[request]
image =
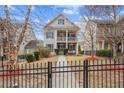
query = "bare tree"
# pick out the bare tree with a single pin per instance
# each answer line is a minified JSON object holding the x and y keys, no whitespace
{"x":14,"y":48}
{"x":113,"y":29}
{"x":89,"y":32}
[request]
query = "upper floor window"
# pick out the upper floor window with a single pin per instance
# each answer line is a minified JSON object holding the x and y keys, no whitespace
{"x":61,"y":21}
{"x":49,"y":35}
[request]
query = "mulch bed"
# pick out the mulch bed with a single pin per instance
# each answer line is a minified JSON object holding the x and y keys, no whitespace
{"x":10,"y":74}
{"x":92,"y":58}
{"x":111,"y":68}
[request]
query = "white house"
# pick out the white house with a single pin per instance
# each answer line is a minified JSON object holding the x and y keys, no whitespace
{"x":61,"y":33}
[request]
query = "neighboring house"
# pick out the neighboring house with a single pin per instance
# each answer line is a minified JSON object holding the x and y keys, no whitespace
{"x":61,"y":33}
{"x":32,"y":46}
{"x":29,"y":36}
{"x":99,"y":41}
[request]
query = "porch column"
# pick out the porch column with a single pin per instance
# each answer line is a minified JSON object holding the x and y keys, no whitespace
{"x":66,"y":39}
{"x":66,"y":35}
{"x":103,"y":44}
{"x":122,"y":46}
{"x":98,"y":46}
{"x":66,"y":45}
{"x":55,"y":36}
{"x":77,"y":49}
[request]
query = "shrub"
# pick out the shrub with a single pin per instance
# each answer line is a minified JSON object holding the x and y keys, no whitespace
{"x":81,"y":52}
{"x":29,"y":57}
{"x":21,"y":56}
{"x":104,"y":53}
{"x":45,"y":52}
{"x":37,"y":55}
{"x":65,"y":51}
{"x":57,"y":51}
{"x":79,"y":48}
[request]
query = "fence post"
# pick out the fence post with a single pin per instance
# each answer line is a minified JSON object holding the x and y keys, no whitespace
{"x":85,"y":74}
{"x":49,"y":74}
{"x":123,"y":71}
{"x":84,"y":80}
{"x":2,"y":70}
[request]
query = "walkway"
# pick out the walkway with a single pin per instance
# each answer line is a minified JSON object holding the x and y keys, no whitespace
{"x":64,"y":80}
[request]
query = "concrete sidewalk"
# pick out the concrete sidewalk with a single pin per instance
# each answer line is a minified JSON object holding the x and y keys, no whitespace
{"x":64,"y":80}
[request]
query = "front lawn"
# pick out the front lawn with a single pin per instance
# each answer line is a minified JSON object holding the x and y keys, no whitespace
{"x":76,"y":57}
{"x":43,"y":60}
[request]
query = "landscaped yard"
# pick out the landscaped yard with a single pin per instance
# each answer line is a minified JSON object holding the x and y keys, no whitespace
{"x":105,"y":76}
{"x":52,"y":59}
{"x":76,"y":60}
{"x":42,"y":62}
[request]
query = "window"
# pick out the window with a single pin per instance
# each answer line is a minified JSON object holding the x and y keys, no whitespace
{"x":49,"y":35}
{"x":106,"y":45}
{"x":50,"y":46}
{"x":61,"y":21}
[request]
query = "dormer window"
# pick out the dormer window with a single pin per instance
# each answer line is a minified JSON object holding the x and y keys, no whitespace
{"x":61,"y":21}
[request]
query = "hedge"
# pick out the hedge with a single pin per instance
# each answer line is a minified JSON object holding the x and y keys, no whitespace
{"x":45,"y":52}
{"x":65,"y":51}
{"x":58,"y":50}
{"x":21,"y":56}
{"x":29,"y":57}
{"x":37,"y":55}
{"x":104,"y":53}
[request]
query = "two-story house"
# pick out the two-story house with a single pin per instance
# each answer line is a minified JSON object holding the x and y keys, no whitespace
{"x":61,"y":33}
{"x":99,"y":42}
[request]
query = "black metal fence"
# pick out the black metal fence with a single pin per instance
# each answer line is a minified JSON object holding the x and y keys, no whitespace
{"x":105,"y":73}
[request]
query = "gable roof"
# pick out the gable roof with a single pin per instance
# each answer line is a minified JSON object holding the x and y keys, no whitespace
{"x":34,"y":44}
{"x":103,"y":21}
{"x":58,"y":17}
{"x":119,"y":19}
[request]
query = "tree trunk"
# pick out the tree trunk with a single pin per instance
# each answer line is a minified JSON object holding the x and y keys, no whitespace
{"x":114,"y":51}
{"x":21,"y":36}
{"x":13,"y":53}
{"x":92,"y":52}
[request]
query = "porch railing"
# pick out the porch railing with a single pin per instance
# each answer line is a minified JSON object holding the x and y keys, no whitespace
{"x":68,"y":38}
{"x":71,"y":38}
{"x":61,"y":38}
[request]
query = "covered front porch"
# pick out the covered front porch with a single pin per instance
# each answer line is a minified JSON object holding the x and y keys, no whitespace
{"x":72,"y":47}
{"x":101,"y":45}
